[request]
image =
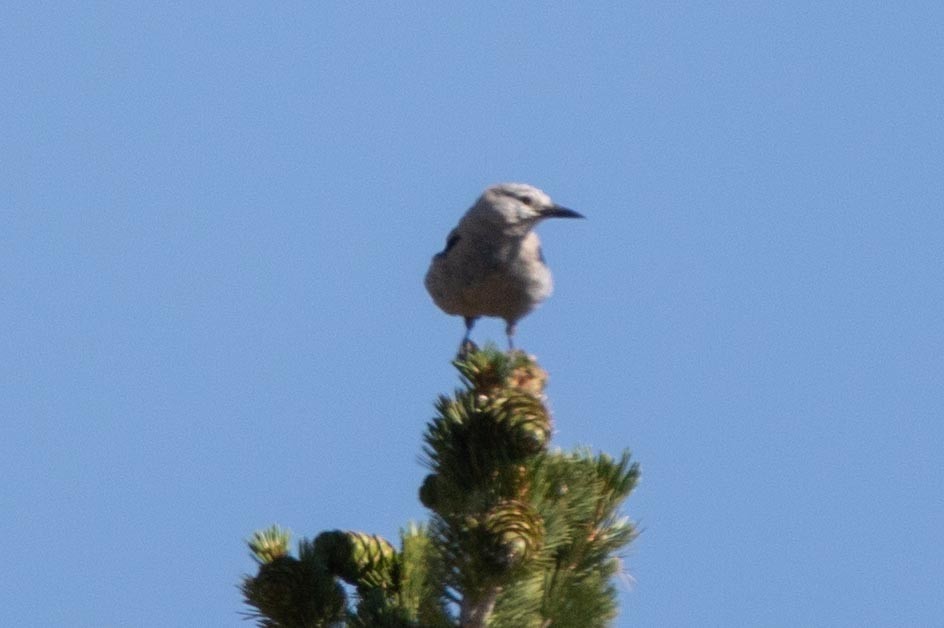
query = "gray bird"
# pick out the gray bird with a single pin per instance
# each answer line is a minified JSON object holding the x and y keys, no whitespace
{"x":492,"y":264}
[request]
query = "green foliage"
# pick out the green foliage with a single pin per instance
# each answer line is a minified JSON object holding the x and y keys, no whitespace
{"x":267,"y":545}
{"x":366,"y":561}
{"x":519,"y":536}
{"x":294,"y":592}
{"x":421,"y":592}
{"x":578,"y":495}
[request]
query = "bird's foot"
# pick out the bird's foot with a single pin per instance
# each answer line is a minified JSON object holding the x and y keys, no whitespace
{"x":466,"y":348}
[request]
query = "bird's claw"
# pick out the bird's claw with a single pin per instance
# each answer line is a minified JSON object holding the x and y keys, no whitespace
{"x":466,"y":348}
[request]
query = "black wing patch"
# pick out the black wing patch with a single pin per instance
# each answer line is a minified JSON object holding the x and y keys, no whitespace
{"x":450,"y":242}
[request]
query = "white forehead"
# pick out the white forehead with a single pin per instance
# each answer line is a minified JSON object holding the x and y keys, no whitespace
{"x":517,"y":191}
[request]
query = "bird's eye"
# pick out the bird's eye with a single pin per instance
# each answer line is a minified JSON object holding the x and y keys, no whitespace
{"x":527,"y":200}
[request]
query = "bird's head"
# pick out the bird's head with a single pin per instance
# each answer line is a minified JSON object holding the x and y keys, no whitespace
{"x":515,"y":208}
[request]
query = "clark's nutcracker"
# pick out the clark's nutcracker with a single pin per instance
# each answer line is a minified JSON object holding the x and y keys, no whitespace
{"x":492,"y":264}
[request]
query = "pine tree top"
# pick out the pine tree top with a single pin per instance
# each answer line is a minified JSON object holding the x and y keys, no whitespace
{"x":520,"y":535}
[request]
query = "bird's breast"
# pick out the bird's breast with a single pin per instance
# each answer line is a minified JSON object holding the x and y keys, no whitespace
{"x":503,"y":277}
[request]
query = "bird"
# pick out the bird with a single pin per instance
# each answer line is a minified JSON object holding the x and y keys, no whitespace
{"x":492,"y":264}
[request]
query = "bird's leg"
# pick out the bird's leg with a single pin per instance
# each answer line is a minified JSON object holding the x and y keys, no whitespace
{"x":467,"y":345}
{"x":469,"y":324}
{"x":510,"y":331}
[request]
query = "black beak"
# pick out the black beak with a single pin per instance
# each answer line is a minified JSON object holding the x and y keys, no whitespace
{"x":556,"y":211}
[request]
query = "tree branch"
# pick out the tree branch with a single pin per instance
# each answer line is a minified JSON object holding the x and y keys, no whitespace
{"x":474,"y":613}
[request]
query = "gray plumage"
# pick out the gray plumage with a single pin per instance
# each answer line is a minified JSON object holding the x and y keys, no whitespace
{"x":492,"y":264}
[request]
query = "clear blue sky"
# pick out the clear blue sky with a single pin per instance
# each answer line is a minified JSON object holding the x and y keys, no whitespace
{"x":214,"y":223}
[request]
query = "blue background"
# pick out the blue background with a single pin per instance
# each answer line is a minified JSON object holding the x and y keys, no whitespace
{"x":214,"y":224}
